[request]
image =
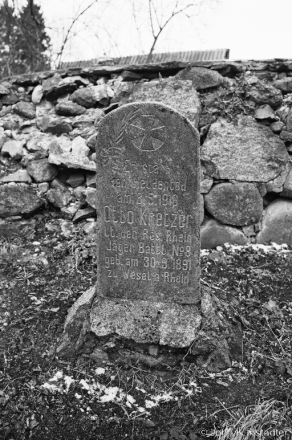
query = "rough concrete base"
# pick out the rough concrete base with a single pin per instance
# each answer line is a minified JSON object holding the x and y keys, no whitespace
{"x":207,"y":332}
{"x":146,"y":322}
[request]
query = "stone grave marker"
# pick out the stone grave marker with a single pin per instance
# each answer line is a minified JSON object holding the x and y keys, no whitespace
{"x":148,"y":200}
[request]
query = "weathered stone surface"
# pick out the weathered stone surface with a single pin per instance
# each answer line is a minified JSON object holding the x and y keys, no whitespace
{"x":215,"y":234}
{"x":18,"y":176}
{"x":13,"y":149}
{"x":69,"y":108}
{"x":246,"y":152}
{"x":286,"y":136}
{"x":202,"y":210}
{"x":41,"y":170}
{"x":5,"y":110}
{"x":41,"y":154}
{"x":153,"y":149}
{"x":91,"y":179}
{"x":43,"y":188}
{"x":90,"y":96}
{"x":265,"y":112}
{"x":91,"y":142}
{"x":4,"y":90}
{"x":277,"y":126}
{"x":178,"y":94}
{"x":130,"y":76}
{"x":37,"y":94}
{"x":10,"y":99}
{"x":16,"y":200}
{"x":206,"y":185}
{"x":79,"y":147}
{"x":276,"y":223}
{"x":39,"y":141}
{"x":59,"y":89}
{"x":90,"y":194}
{"x":289,"y":121}
{"x":287,"y":189}
{"x":10,"y":123}
{"x":79,"y":80}
{"x":51,"y":81}
{"x":201,"y":78}
{"x":219,"y":340}
{"x":284,"y":84}
{"x":276,"y":185}
{"x":82,"y":214}
{"x":44,"y":108}
{"x":90,"y":228}
{"x":59,"y":157}
{"x":58,"y":197}
{"x":263,"y":93}
{"x":144,"y":321}
{"x":75,"y":179}
{"x":238,"y":204}
{"x":25,"y":109}
{"x":55,"y":125}
{"x":76,"y":322}
{"x":63,"y":142}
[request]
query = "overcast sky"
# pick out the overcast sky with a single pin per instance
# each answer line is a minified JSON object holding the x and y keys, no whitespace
{"x":251,"y":29}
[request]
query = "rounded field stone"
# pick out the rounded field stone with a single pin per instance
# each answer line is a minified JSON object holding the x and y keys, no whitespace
{"x":201,"y":78}
{"x":276,"y":224}
{"x":238,"y":204}
{"x":215,"y":234}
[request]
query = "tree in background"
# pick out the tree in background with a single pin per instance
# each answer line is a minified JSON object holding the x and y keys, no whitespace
{"x":23,"y":39}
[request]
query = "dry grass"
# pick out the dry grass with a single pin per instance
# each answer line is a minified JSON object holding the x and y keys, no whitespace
{"x":268,"y":419}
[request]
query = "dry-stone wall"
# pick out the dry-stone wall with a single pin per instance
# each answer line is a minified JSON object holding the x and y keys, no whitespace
{"x":243,"y":111}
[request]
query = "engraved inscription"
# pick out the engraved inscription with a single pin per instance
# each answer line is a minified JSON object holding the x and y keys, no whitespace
{"x":148,"y":192}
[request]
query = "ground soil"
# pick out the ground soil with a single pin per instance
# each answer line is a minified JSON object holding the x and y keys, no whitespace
{"x":43,"y":273}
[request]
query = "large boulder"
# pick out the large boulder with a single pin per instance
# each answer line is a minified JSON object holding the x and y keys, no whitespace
{"x":17,"y":200}
{"x":248,"y":151}
{"x":201,"y":78}
{"x":178,"y":94}
{"x":276,"y":223}
{"x":215,"y":234}
{"x":238,"y":204}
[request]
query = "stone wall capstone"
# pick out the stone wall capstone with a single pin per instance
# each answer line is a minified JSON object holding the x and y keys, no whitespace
{"x":243,"y":110}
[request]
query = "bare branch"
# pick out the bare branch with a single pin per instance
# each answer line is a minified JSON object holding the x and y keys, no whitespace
{"x":69,"y":30}
{"x":162,"y":26}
